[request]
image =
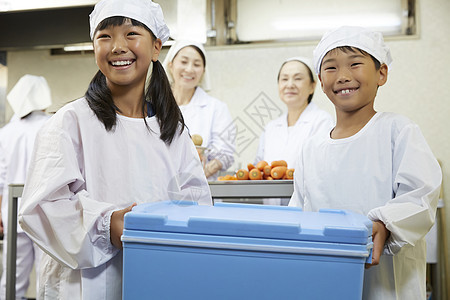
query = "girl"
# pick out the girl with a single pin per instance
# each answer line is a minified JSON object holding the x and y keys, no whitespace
{"x":121,"y":145}
{"x":209,"y":117}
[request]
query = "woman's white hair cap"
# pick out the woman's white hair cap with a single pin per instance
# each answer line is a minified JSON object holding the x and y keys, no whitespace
{"x":144,"y":11}
{"x":29,"y":94}
{"x":205,"y":83}
{"x":304,"y":60}
{"x":353,"y":36}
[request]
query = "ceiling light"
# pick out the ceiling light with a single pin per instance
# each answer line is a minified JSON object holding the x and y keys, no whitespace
{"x":79,"y":47}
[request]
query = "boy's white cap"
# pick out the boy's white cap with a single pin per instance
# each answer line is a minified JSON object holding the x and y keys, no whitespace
{"x":173,"y":51}
{"x":29,"y":94}
{"x":145,"y":11}
{"x":358,"y":37}
{"x":303,"y":60}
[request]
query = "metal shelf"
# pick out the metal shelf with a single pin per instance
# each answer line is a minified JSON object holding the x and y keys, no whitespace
{"x":15,"y":192}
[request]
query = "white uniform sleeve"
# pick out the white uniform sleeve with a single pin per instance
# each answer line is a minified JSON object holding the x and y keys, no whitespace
{"x":223,"y":137}
{"x":2,"y":169}
{"x":417,"y":179}
{"x":260,"y":152}
{"x":298,"y":196}
{"x":191,"y":183}
{"x":324,"y":125}
{"x":56,"y":210}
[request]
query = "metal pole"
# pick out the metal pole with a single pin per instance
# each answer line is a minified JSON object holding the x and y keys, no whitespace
{"x":15,"y":191}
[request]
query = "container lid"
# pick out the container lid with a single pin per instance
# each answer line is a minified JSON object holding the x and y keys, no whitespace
{"x":250,"y":220}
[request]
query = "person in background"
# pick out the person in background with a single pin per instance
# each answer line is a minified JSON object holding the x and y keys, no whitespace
{"x":283,"y":138}
{"x":120,"y":145}
{"x":374,"y":163}
{"x":28,"y":99}
{"x":185,"y":65}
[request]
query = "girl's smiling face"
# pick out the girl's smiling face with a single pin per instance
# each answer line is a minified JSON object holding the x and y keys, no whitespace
{"x":123,"y":53}
{"x":350,"y":79}
{"x":187,"y":68}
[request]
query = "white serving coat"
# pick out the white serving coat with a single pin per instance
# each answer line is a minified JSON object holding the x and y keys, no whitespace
{"x":280,"y":142}
{"x":388,"y":172}
{"x":79,"y":175}
{"x":16,"y":147}
{"x":210,"y":118}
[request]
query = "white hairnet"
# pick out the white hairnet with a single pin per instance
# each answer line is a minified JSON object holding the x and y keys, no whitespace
{"x":144,"y":11}
{"x":29,"y":94}
{"x":358,"y":37}
{"x":303,"y":60}
{"x":205,"y":82}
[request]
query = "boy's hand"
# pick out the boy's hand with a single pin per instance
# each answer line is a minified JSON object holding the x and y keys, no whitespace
{"x":116,"y":227}
{"x":379,"y":236}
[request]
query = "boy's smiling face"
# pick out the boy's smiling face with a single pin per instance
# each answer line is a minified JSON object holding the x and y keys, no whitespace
{"x":350,"y":79}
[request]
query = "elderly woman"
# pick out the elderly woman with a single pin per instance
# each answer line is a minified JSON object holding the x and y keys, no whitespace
{"x":283,"y":137}
{"x":185,"y":65}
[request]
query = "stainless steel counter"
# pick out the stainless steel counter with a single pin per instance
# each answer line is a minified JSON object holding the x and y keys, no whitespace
{"x":251,"y":189}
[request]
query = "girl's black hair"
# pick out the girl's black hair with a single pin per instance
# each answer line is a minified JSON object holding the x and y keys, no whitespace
{"x":311,"y":76}
{"x":159,"y":93}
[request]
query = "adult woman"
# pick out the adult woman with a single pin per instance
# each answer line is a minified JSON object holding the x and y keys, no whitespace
{"x":207,"y":116}
{"x":283,"y":137}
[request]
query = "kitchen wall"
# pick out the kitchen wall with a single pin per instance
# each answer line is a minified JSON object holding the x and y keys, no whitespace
{"x":245,"y":78}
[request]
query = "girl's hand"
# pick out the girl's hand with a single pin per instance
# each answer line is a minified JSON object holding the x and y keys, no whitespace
{"x":379,"y":236}
{"x":116,"y":227}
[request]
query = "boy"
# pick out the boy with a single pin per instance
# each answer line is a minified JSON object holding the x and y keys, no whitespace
{"x":374,"y":163}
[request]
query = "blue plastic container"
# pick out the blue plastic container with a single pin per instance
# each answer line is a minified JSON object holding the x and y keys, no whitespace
{"x":180,"y":250}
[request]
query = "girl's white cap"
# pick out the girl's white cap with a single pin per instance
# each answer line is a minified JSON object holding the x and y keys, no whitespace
{"x":353,"y":36}
{"x":173,"y":51}
{"x":144,"y":11}
{"x":29,"y":94}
